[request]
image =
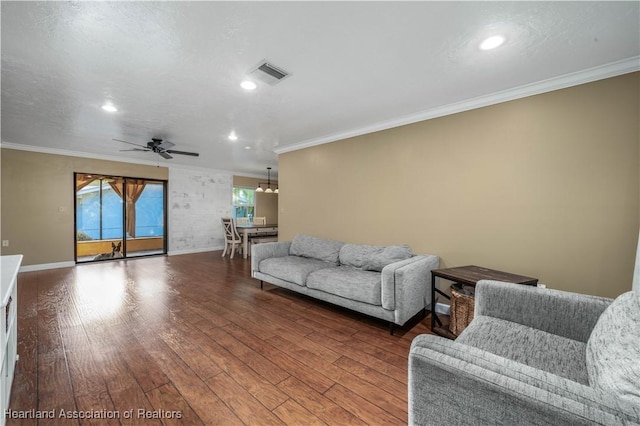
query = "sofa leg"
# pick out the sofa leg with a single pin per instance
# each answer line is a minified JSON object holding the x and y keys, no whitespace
{"x":391,"y":328}
{"x":261,"y":283}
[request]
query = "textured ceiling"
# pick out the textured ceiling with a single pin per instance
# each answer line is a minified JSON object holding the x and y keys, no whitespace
{"x":173,"y":69}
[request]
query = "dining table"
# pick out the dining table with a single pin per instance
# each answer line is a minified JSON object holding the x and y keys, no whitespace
{"x":250,"y":230}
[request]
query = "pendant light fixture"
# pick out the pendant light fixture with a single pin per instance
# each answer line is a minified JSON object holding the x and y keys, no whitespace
{"x":268,"y":189}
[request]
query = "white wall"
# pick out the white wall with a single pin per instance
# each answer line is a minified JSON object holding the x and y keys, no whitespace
{"x":197,"y":200}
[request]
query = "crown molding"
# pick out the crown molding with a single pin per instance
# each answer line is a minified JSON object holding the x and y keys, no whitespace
{"x":210,"y":170}
{"x":94,"y":156}
{"x":70,"y":153}
{"x":200,"y":169}
{"x":589,"y":75}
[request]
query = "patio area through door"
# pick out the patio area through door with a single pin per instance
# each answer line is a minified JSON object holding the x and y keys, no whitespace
{"x":118,"y":217}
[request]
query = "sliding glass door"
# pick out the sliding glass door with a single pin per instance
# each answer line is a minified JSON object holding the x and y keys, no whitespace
{"x":145,"y":217}
{"x":118,"y":217}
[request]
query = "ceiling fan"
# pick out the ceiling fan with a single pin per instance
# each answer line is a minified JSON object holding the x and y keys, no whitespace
{"x":160,"y":147}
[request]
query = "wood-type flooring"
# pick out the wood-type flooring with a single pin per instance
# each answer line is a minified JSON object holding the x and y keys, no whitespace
{"x":192,"y":339}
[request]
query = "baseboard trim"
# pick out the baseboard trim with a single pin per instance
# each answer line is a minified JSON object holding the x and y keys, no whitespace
{"x":69,"y":264}
{"x":45,"y":266}
{"x":443,"y":309}
{"x":191,"y":251}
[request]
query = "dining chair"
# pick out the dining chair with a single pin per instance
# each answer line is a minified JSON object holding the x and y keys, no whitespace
{"x":243,"y":221}
{"x":260,"y":220}
{"x":262,"y":237}
{"x":231,"y":236}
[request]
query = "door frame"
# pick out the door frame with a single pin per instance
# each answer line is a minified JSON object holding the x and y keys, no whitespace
{"x":165,"y":236}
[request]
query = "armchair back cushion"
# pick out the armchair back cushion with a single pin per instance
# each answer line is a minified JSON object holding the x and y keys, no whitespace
{"x":316,"y":248}
{"x":613,"y":350}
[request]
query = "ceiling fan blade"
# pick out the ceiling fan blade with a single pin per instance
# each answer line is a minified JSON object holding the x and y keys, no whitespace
{"x":166,"y":145}
{"x":193,"y":154}
{"x":158,"y":146}
{"x":130,"y":143}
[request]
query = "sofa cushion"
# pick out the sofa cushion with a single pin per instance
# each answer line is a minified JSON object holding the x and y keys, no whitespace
{"x":315,"y":248}
{"x":538,"y":349}
{"x":372,"y":258}
{"x":348,"y":282}
{"x":292,"y":268}
{"x":613,"y":349}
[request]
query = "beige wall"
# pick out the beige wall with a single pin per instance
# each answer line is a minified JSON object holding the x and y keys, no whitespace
{"x":266,"y":204}
{"x":547,"y":186}
{"x":37,"y":201}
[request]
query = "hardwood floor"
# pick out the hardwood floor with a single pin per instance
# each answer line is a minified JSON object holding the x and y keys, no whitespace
{"x":192,"y":339}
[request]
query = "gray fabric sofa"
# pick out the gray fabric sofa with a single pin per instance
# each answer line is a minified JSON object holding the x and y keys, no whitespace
{"x":389,"y":283}
{"x":532,"y":356}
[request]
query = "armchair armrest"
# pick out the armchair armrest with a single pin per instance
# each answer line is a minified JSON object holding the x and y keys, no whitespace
{"x":259,"y":252}
{"x":405,"y":284}
{"x":452,"y":383}
{"x":562,"y":313}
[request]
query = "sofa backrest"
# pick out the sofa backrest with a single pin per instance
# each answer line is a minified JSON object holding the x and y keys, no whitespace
{"x":316,"y":248}
{"x":613,"y":350}
{"x":372,"y":258}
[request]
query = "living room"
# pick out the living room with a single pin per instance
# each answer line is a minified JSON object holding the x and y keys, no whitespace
{"x":541,"y":180}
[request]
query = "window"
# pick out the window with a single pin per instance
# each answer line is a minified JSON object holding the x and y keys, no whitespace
{"x":98,"y":210}
{"x":150,"y":211}
{"x":244,"y":204}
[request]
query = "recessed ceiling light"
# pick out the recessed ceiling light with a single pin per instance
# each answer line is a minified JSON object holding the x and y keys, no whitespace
{"x":492,"y":42}
{"x":247,"y":147}
{"x":232,"y":136}
{"x":109,"y":108}
{"x":248,"y":85}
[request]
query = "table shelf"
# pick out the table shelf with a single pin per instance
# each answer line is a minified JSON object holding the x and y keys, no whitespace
{"x":469,"y":275}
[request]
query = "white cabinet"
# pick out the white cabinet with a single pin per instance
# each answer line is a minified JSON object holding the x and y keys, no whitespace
{"x":9,"y":327}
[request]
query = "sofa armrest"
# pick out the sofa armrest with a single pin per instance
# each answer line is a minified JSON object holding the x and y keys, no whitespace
{"x":259,"y":252}
{"x":565,"y":314}
{"x":452,"y":383}
{"x":405,"y":284}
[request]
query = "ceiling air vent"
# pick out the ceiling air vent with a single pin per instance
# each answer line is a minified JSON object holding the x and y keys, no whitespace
{"x":268,"y":73}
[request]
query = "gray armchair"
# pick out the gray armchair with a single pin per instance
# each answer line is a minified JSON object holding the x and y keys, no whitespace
{"x":532,"y":356}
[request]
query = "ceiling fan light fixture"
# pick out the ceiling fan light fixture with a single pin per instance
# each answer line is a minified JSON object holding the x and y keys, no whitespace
{"x":158,"y":146}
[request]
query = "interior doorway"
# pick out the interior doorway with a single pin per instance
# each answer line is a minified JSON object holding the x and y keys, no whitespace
{"x":119,"y":217}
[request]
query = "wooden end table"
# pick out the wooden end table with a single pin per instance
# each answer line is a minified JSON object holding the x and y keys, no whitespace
{"x":469,"y":275}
